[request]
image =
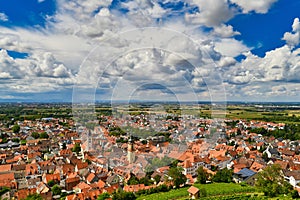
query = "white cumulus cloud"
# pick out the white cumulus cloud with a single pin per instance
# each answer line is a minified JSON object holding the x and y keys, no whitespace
{"x":3,"y":17}
{"x":225,"y":31}
{"x":58,"y":55}
{"x":230,"y":47}
{"x":212,"y":13}
{"x":293,"y":38}
{"x":259,"y":6}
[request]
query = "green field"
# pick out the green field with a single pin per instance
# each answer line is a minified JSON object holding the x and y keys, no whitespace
{"x":214,"y":189}
{"x":282,"y":113}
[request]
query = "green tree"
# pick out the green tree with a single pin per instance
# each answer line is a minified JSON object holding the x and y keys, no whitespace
{"x":16,"y":128}
{"x":44,"y":135}
{"x":103,"y":196}
{"x":4,"y":190}
{"x":15,"y":140}
{"x":76,"y":148}
{"x":34,"y":197}
{"x":51,"y":183}
{"x":265,"y":157}
{"x":295,"y":194}
{"x":133,"y":180}
{"x":223,"y":175}
{"x":4,"y":140}
{"x":177,"y":177}
{"x":56,"y":190}
{"x":116,"y":131}
{"x":202,"y":175}
{"x":145,"y":180}
{"x":35,"y":135}
{"x":88,"y":161}
{"x":23,"y":142}
{"x":271,"y":182}
{"x":157,"y":178}
{"x":123,"y":196}
{"x":260,"y":130}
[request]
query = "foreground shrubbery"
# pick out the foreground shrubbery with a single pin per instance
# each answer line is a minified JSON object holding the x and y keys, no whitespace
{"x":272,"y":183}
{"x":213,"y":189}
{"x":235,"y":197}
{"x":161,"y":188}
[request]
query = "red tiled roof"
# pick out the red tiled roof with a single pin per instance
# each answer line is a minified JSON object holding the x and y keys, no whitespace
{"x":101,"y":184}
{"x":193,"y":190}
{"x":190,"y":178}
{"x":256,"y":166}
{"x":72,"y":175}
{"x":187,"y":164}
{"x":67,"y":168}
{"x":74,"y":179}
{"x":65,"y":152}
{"x":111,"y":189}
{"x":185,"y":156}
{"x":5,"y":168}
{"x":92,"y":194}
{"x":283,"y":164}
{"x":82,"y":186}
{"x":52,"y":177}
{"x":90,"y":177}
{"x":175,"y":154}
{"x":7,"y":180}
{"x":162,"y":169}
{"x":82,"y":165}
{"x":138,"y":187}
{"x":7,"y":177}
{"x":295,"y":174}
{"x":71,"y":197}
{"x":288,"y":152}
{"x":214,"y":154}
{"x":23,"y":193}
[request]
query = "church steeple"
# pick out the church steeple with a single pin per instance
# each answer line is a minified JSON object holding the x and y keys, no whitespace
{"x":130,"y":151}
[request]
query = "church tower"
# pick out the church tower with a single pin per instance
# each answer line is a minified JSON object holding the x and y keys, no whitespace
{"x":130,"y":151}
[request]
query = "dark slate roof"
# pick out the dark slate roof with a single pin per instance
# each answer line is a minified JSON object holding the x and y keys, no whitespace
{"x":244,"y":173}
{"x":273,"y":151}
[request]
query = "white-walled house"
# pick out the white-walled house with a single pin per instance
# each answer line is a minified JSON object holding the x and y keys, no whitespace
{"x":293,"y":177}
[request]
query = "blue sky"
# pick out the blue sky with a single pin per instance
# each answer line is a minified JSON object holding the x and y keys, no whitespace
{"x":49,"y":47}
{"x":31,"y":13}
{"x":265,"y":31}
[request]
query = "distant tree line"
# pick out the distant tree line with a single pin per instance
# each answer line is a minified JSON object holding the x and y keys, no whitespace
{"x":290,"y":131}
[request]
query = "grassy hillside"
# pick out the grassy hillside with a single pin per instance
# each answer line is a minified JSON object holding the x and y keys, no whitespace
{"x":214,"y":189}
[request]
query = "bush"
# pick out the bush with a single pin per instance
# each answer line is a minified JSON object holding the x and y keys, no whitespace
{"x":35,"y":135}
{"x":202,"y":192}
{"x":202,"y":176}
{"x":223,"y":175}
{"x":34,"y":197}
{"x":123,"y":196}
{"x":295,"y":194}
{"x":44,"y":135}
{"x":51,"y":183}
{"x":271,"y":183}
{"x":4,"y":190}
{"x":17,"y":140}
{"x":103,"y":196}
{"x":243,"y":184}
{"x":56,"y":190}
{"x":16,"y":128}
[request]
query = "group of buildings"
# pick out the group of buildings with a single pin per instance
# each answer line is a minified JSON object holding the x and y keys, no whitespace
{"x":104,"y":163}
